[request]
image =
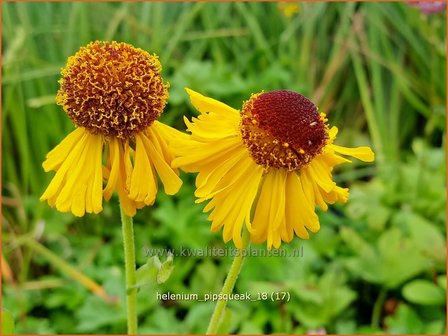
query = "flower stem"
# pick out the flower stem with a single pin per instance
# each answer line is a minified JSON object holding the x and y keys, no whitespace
{"x":129,"y":257}
{"x":377,"y":308}
{"x":227,"y":289}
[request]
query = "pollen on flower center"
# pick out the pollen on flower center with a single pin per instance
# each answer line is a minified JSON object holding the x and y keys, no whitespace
{"x":112,"y":88}
{"x":282,"y":129}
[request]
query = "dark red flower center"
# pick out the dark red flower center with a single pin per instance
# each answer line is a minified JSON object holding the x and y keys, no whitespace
{"x":282,"y":129}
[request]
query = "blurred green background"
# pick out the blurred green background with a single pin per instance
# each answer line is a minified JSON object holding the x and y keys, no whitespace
{"x":378,"y":264}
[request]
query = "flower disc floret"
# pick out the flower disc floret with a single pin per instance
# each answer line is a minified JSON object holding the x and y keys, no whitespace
{"x":282,"y":129}
{"x":113,"y":89}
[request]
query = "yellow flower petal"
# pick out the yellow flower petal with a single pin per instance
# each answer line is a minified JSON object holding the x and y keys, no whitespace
{"x":58,"y":154}
{"x":362,"y":153}
{"x":73,"y":195}
{"x":338,"y":194}
{"x":277,"y":211}
{"x":321,"y":174}
{"x":333,"y":131}
{"x":95,"y":191}
{"x":167,"y":132}
{"x":286,"y":231}
{"x":232,"y":177}
{"x":297,"y":209}
{"x":194,"y":155}
{"x":205,"y":104}
{"x":209,"y":126}
{"x":114,"y":170}
{"x":206,"y":185}
{"x":79,"y":174}
{"x":58,"y":180}
{"x":233,"y":205}
{"x":306,"y":175}
{"x":260,"y":221}
{"x":162,"y":136}
{"x":170,"y":180}
{"x":306,"y":198}
{"x":143,"y":186}
{"x":330,"y":158}
{"x":124,"y":181}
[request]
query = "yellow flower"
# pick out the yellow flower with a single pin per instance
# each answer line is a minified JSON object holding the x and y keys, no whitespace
{"x":114,"y":94}
{"x":266,"y":167}
{"x":289,"y":8}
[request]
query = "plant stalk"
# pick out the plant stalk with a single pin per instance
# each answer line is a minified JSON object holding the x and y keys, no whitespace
{"x":229,"y":284}
{"x":378,"y":308}
{"x":129,"y":257}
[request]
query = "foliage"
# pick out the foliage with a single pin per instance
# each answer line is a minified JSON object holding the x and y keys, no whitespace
{"x":378,"y":263}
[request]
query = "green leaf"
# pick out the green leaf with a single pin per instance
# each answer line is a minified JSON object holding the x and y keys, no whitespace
{"x":435,"y":327}
{"x":321,"y":300}
{"x":395,"y":260}
{"x":165,"y":269}
{"x":441,"y":281}
{"x":7,"y":323}
{"x":423,"y":292}
{"x":153,"y":272}
{"x":356,"y":242}
{"x":345,"y":327}
{"x":95,"y":313}
{"x":377,"y":217}
{"x":405,"y":321}
{"x":198,"y":315}
{"x":427,"y":237}
{"x":147,"y":274}
{"x":248,"y":327}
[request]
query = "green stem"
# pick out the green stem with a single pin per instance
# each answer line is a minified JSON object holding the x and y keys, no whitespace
{"x":129,"y":257}
{"x":378,"y":307}
{"x":227,"y":289}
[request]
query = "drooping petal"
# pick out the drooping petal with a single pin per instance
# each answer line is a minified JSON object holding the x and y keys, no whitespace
{"x":59,"y":154}
{"x":270,"y":210}
{"x":162,"y":136}
{"x":143,"y":186}
{"x":170,"y":179}
{"x":338,"y":194}
{"x":321,"y":174}
{"x":306,"y":198}
{"x":114,"y":169}
{"x":299,"y":210}
{"x":77,"y":185}
{"x":120,"y":176}
{"x":277,"y":210}
{"x":205,"y":186}
{"x":233,"y":198}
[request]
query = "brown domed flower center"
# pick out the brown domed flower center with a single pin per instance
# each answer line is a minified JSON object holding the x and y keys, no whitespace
{"x":282,"y":129}
{"x":112,"y":88}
